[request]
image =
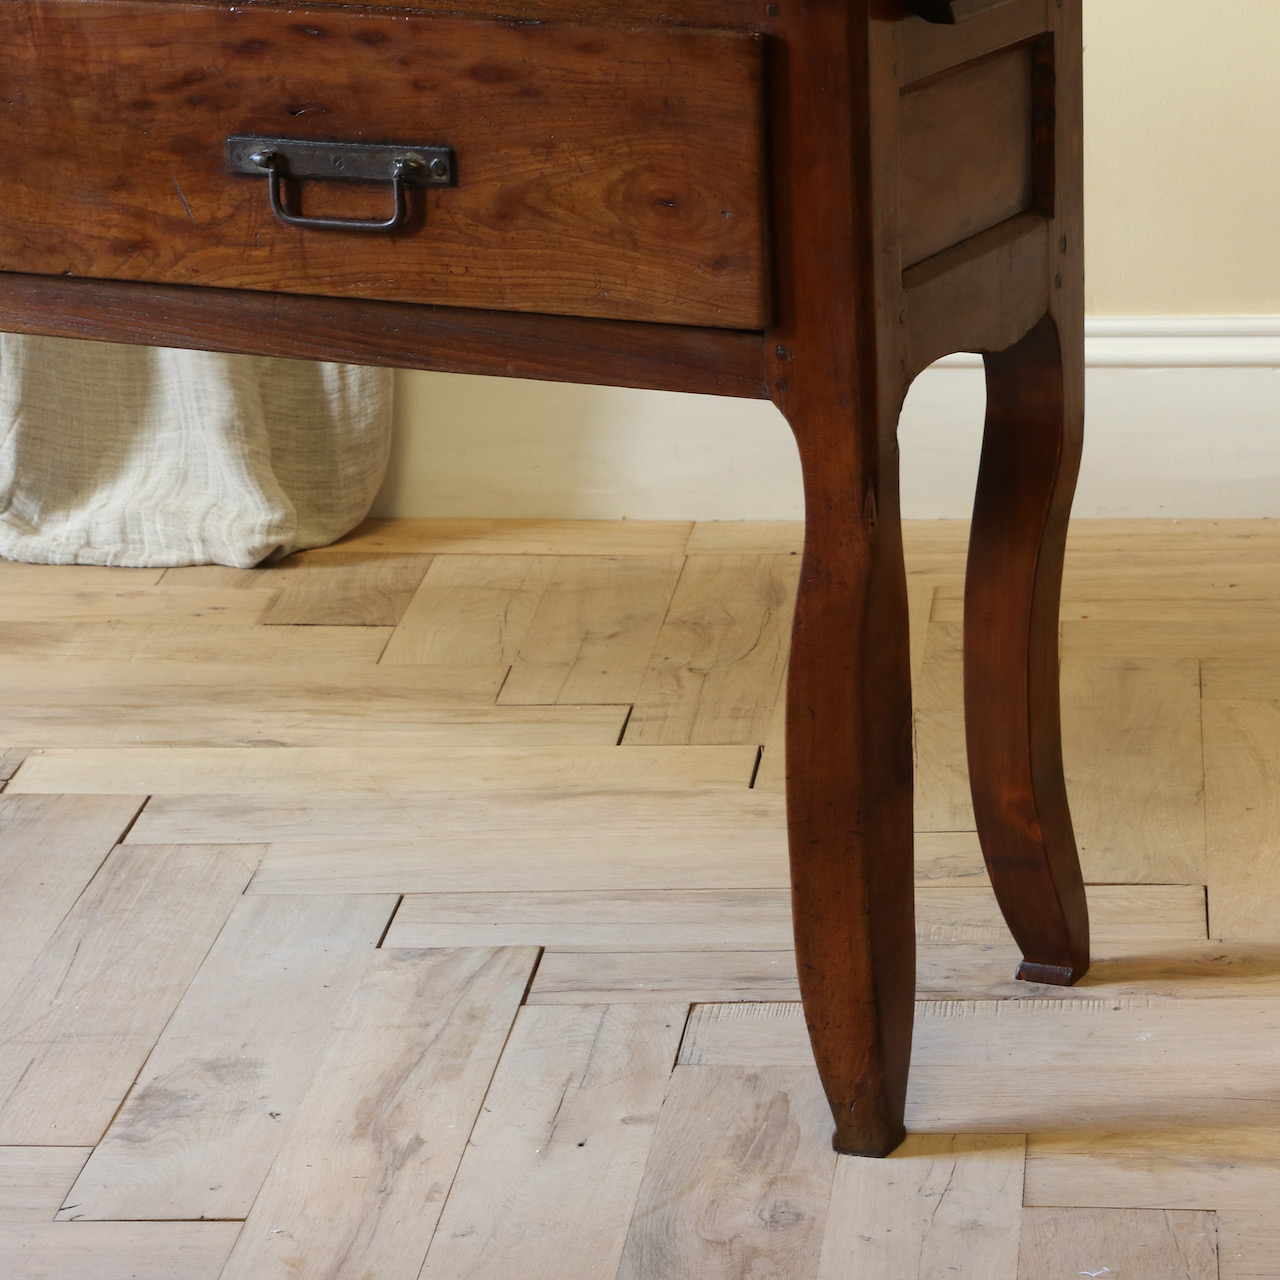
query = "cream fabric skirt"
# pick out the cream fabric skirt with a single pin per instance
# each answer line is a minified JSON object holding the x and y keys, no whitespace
{"x":147,"y":456}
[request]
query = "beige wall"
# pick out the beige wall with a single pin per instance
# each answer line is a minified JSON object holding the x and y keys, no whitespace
{"x":1183,"y":187}
{"x":1182,"y":130}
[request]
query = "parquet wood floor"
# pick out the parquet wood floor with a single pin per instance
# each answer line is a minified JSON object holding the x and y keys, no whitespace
{"x":416,"y":910}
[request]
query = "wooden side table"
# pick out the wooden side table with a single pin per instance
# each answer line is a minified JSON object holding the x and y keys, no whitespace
{"x":806,"y":201}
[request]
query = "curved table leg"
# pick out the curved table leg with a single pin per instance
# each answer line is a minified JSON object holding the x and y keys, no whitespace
{"x":1030,"y":456}
{"x":849,"y":779}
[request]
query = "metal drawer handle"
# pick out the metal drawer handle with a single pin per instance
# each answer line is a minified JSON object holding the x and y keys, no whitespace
{"x":280,"y":158}
{"x":274,"y":166}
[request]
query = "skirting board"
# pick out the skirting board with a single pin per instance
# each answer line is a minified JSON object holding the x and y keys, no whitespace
{"x":1183,"y":421}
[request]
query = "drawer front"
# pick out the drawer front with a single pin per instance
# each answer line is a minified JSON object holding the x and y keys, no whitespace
{"x":599,"y":171}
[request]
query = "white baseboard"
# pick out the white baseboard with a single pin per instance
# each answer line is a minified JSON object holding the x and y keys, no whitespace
{"x":1183,"y":421}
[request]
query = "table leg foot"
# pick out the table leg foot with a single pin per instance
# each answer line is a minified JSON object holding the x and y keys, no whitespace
{"x":849,"y":803}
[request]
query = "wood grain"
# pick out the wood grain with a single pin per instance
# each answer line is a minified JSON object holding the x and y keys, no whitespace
{"x":484,"y":536}
{"x":340,"y":589}
{"x":738,"y":1180}
{"x":471,"y":608}
{"x":355,"y":771}
{"x":1048,"y":1064}
{"x":358,"y":1186}
{"x":50,"y":848}
{"x":1126,"y":967}
{"x":1248,"y":1245}
{"x":217,"y":704}
{"x":695,"y":917}
{"x":203,"y":1121}
{"x":10,"y":759}
{"x":749,"y":918}
{"x":1179,"y":1167}
{"x":718,"y":660}
{"x":552,"y":1169}
{"x":84,"y":1017}
{"x":187,"y":642}
{"x":34,"y":1180}
{"x":116,"y":1250}
{"x":966,"y":153}
{"x":393,"y":335}
{"x":1241,"y":813}
{"x":594,"y":628}
{"x":941,"y":1205}
{"x":15,"y":575}
{"x":1135,"y":767}
{"x":736,"y":837}
{"x":557,"y":142}
{"x":139,"y":604}
{"x":1153,"y":1244}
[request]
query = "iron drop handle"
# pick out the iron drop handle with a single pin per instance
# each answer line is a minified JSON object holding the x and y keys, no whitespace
{"x":272,"y":163}
{"x":278,"y":159}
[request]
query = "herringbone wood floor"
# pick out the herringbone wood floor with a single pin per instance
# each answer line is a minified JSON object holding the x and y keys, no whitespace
{"x":418,"y":908}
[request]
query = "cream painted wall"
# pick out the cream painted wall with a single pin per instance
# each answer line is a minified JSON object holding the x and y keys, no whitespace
{"x":1183,"y":188}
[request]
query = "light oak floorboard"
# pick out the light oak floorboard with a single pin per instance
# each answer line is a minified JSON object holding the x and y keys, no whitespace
{"x":620,"y":828}
{"x":180,"y":704}
{"x":1110,"y":598}
{"x":50,"y":848}
{"x":1035,"y":1065}
{"x":337,"y":589}
{"x":738,"y":1179}
{"x":1135,"y":771}
{"x":1166,"y":640}
{"x":359,"y":1184}
{"x":484,"y":536}
{"x":1177,"y":1167}
{"x":942,"y":1205}
{"x":10,"y":759}
{"x":942,"y":801}
{"x":1132,"y":750}
{"x":85,"y":1015}
{"x":188,"y":642}
{"x":717,"y":664}
{"x":1248,"y":1245}
{"x":771,"y":772}
{"x":116,"y":1250}
{"x":593,"y":631}
{"x":549,"y":1181}
{"x":205,"y":1118}
{"x":471,"y":609}
{"x":53,"y":578}
{"x":666,"y":918}
{"x":34,"y":1180}
{"x":1242,"y":764}
{"x":376,"y":770}
{"x":951,"y":858}
{"x":1234,"y":681}
{"x":1131,"y":968}
{"x":749,"y":918}
{"x":746,"y":537}
{"x":1152,"y":1244}
{"x":532,"y":865}
{"x":658,"y":977}
{"x":138,"y":605}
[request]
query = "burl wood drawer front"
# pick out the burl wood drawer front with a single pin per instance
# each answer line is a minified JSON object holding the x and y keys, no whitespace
{"x":599,"y":171}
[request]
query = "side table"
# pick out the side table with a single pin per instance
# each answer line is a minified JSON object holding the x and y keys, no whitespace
{"x":806,"y":201}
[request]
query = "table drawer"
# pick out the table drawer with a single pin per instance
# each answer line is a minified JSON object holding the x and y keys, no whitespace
{"x":599,"y":171}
